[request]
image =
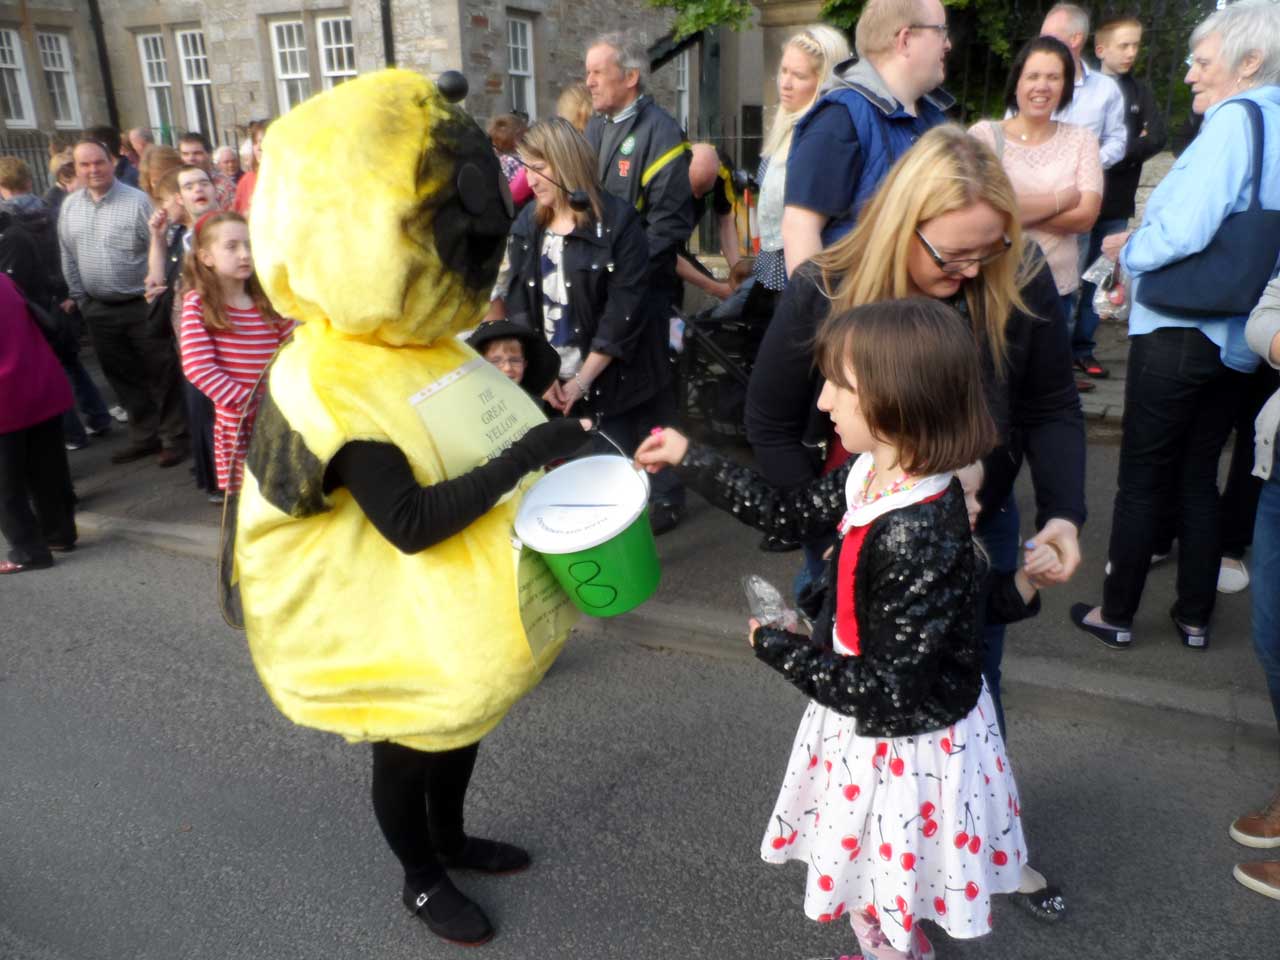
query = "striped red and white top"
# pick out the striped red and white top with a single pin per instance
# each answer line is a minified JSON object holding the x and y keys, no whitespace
{"x":224,"y":365}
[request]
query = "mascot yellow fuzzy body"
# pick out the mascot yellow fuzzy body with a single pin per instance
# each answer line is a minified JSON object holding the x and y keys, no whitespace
{"x":378,"y":222}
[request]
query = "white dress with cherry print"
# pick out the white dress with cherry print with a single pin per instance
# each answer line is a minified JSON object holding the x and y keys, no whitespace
{"x":900,"y":828}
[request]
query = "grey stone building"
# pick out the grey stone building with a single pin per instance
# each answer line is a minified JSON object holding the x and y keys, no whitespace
{"x":217,"y":64}
{"x":214,"y":65}
{"x":49,"y":69}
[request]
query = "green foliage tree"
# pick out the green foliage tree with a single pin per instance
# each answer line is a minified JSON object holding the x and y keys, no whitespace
{"x":987,"y":33}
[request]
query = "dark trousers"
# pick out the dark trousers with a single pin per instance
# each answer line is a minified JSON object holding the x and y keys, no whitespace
{"x":88,"y":399}
{"x":33,"y":469}
{"x":1240,"y":495}
{"x":200,"y":429}
{"x":418,"y":799}
{"x":629,"y":428}
{"x":998,"y":533}
{"x":1179,"y":407}
{"x":141,"y":367}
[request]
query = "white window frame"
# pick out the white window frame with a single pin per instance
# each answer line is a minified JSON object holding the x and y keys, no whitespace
{"x":682,"y":89}
{"x":291,"y":63}
{"x":56,"y":62}
{"x":520,"y":69}
{"x":337,"y":45}
{"x":153,"y":57}
{"x":197,"y":87}
{"x":13,"y":66}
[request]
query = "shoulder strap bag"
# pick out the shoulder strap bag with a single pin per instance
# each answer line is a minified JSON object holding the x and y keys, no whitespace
{"x":1227,"y":277}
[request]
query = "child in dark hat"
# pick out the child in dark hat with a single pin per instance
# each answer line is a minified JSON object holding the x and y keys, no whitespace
{"x":519,"y":352}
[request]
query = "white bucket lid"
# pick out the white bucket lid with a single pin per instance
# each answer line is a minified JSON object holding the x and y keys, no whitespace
{"x":581,"y":504}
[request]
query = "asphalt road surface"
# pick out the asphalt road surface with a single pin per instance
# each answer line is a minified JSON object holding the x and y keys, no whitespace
{"x":154,"y":805}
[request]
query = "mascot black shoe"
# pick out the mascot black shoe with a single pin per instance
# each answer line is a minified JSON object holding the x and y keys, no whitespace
{"x":383,"y":592}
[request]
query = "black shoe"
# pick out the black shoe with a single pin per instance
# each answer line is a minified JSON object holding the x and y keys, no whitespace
{"x":1193,"y":638}
{"x":1045,"y":904}
{"x":1116,"y":638}
{"x":449,"y":914}
{"x":664,"y":517}
{"x":135,"y":452}
{"x":487,"y":856}
{"x":772,"y":544}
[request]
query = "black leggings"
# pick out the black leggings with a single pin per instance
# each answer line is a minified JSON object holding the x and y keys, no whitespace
{"x":418,"y":798}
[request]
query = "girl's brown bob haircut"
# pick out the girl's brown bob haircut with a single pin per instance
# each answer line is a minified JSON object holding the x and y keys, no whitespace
{"x":918,"y":376}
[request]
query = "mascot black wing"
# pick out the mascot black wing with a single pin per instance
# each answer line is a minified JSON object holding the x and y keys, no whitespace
{"x":379,"y":221}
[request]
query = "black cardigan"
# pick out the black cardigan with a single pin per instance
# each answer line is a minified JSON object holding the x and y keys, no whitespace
{"x":1035,"y":404}
{"x":606,"y":270}
{"x":916,"y":604}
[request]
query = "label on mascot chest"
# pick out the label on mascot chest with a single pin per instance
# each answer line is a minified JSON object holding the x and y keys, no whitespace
{"x":473,"y":413}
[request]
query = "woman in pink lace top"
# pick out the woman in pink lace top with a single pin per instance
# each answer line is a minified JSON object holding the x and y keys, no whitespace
{"x":1054,"y":167}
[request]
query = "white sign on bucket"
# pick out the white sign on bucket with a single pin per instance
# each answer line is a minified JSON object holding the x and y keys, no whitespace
{"x":581,"y":504}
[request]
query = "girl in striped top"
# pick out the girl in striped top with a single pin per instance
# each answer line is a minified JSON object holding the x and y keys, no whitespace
{"x":229,"y":334}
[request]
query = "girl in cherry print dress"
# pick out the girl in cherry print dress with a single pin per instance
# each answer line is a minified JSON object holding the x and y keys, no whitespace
{"x":898,"y":794}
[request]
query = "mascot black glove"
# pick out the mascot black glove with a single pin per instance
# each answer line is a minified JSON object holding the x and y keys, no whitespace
{"x":553,"y":440}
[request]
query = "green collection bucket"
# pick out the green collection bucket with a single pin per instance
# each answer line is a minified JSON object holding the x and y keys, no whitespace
{"x":589,"y":520}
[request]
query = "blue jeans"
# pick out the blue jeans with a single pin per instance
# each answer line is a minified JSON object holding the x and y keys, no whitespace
{"x":998,"y":533}
{"x":1086,"y":318}
{"x":814,"y":563}
{"x":1265,"y":587}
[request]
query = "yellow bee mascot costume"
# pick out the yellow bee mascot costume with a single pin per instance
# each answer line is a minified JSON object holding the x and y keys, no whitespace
{"x":383,"y":594}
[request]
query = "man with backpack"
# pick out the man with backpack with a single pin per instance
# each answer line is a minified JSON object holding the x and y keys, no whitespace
{"x":29,"y":254}
{"x":879,"y":106}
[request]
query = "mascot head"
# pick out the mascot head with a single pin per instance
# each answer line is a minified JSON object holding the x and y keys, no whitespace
{"x":380,"y":211}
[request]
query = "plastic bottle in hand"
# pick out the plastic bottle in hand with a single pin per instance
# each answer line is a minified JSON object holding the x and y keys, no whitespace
{"x":767,"y":605}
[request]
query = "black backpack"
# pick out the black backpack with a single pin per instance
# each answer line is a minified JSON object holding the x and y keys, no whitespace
{"x":20,"y":259}
{"x":42,"y":225}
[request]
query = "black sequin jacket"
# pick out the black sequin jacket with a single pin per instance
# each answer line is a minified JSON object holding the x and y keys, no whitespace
{"x":916,"y":600}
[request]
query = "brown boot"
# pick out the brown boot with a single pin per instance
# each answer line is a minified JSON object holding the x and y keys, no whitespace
{"x":1259,"y":830}
{"x":1261,"y":877}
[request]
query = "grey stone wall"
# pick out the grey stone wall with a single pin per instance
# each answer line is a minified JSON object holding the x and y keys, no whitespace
{"x":238,"y":41}
{"x":65,"y":17}
{"x":430,"y":36}
{"x":562,"y":29}
{"x":427,"y":36}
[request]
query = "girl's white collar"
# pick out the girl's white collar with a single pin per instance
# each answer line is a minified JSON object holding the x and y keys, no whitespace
{"x":863,"y":515}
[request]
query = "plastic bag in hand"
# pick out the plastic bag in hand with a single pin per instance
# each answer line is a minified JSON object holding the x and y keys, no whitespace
{"x":767,"y":605}
{"x":1111,"y":294}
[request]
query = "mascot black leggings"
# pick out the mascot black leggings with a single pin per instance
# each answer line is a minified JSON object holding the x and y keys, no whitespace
{"x":418,"y":798}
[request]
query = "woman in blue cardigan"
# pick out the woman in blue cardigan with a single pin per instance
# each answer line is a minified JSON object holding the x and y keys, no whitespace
{"x":1185,"y":373}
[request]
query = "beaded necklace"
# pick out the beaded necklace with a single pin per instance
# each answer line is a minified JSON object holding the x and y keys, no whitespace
{"x":900,"y":485}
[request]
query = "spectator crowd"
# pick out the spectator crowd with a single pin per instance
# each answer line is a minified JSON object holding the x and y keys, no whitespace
{"x":867,"y":193}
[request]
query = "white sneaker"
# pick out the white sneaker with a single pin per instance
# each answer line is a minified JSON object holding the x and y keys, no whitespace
{"x":119,"y":413}
{"x":1233,"y":576}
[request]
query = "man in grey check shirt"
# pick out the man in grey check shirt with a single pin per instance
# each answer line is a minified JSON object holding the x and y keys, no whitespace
{"x":104,"y":237}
